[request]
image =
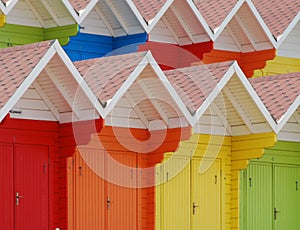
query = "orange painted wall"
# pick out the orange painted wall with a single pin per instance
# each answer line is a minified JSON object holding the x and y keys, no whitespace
{"x":132,"y":147}
{"x":247,"y":61}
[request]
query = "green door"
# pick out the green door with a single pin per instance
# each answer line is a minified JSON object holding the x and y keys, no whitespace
{"x":272,"y":197}
{"x":259,"y":197}
{"x":286,"y":197}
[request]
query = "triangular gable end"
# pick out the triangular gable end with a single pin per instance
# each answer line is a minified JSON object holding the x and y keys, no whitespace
{"x":289,"y":43}
{"x":109,"y":17}
{"x":43,"y":14}
{"x":180,"y":24}
{"x":243,"y":30}
{"x":49,"y":91}
{"x":288,"y":127}
{"x":231,"y":107}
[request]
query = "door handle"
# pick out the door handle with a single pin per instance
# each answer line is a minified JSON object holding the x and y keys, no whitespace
{"x":194,"y":208}
{"x":18,"y":196}
{"x":275,"y":213}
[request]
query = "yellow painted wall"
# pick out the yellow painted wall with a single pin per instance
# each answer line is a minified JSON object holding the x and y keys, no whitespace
{"x":245,"y":148}
{"x":2,"y":20}
{"x":279,"y":65}
{"x":174,"y":198}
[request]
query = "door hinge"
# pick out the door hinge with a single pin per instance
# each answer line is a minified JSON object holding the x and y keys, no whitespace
{"x":194,"y":208}
{"x":297,"y":185}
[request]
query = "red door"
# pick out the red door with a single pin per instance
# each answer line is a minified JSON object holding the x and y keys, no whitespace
{"x":6,"y":187}
{"x":31,"y":187}
{"x":24,"y":187}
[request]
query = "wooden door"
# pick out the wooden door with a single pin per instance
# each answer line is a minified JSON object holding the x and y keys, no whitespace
{"x":175,"y":189}
{"x":89,"y":190}
{"x":206,"y":195}
{"x":286,"y":197}
{"x":258,"y":184}
{"x":31,"y":187}
{"x":6,"y":187}
{"x":121,"y":192}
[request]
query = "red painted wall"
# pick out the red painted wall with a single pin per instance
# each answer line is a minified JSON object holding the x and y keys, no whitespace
{"x":173,"y":56}
{"x":25,"y":133}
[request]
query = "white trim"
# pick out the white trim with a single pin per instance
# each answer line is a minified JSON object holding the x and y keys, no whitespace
{"x":288,"y":30}
{"x":201,"y":19}
{"x":160,"y":14}
{"x":10,"y":5}
{"x":234,"y":38}
{"x":156,"y":105}
{"x":138,"y":15}
{"x":239,"y":109}
{"x":189,"y":117}
{"x":81,"y":82}
{"x":126,"y":85}
{"x":173,"y":32}
{"x":117,"y":15}
{"x":228,"y":18}
{"x":35,"y":13}
{"x":136,"y":109}
{"x":51,"y":12}
{"x":254,"y":96}
{"x":262,"y":23}
{"x":62,"y":91}
{"x":284,"y":119}
{"x":104,"y":20}
{"x":47,"y":101}
{"x":27,"y":82}
{"x":216,"y":91}
{"x":220,"y":115}
{"x":182,"y":23}
{"x":71,"y":11}
{"x":246,"y":32}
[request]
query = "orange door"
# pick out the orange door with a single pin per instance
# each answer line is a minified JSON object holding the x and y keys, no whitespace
{"x":105,"y":196}
{"x":89,"y":190}
{"x":121,"y":191}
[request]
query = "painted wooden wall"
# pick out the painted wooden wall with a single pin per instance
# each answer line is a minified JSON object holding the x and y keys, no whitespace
{"x":12,"y":35}
{"x":114,"y":142}
{"x":272,"y":182}
{"x":245,"y":148}
{"x":86,"y":46}
{"x":31,"y":148}
{"x":279,"y":65}
{"x":181,"y":185}
{"x":249,"y":62}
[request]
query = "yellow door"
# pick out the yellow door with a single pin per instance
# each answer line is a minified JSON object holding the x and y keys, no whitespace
{"x":175,"y":194}
{"x":206,"y":195}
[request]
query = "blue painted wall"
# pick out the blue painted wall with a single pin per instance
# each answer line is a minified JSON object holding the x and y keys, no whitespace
{"x":87,"y":46}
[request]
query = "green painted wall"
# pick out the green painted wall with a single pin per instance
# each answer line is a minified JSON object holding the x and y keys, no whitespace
{"x":269,"y":183}
{"x":12,"y":35}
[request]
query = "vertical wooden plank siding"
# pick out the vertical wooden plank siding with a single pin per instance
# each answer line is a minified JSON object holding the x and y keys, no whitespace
{"x":174,"y":177}
{"x":6,"y":189}
{"x":245,"y":148}
{"x":272,"y":182}
{"x":279,"y":65}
